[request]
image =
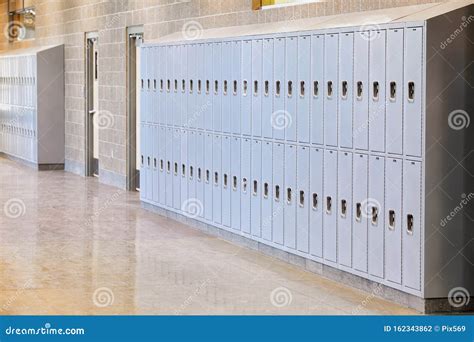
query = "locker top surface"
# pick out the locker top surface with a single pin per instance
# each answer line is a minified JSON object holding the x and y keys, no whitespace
{"x":28,"y":51}
{"x":368,"y":20}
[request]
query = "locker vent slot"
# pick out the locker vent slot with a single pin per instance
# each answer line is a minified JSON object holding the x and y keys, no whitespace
{"x":301,"y":198}
{"x":410,"y":224}
{"x":255,"y":88}
{"x":255,"y":187}
{"x":375,"y":215}
{"x":225,"y":181}
{"x":375,"y":92}
{"x":208,"y":176}
{"x":302,"y":89}
{"x":175,"y":169}
{"x":344,"y":89}
{"x":343,"y":208}
{"x":315,"y":201}
{"x":358,"y":212}
{"x":265,"y":190}
{"x":393,"y":90}
{"x":183,"y":170}
{"x":267,"y":86}
{"x":175,"y":85}
{"x":191,"y":172}
{"x":234,"y":91}
{"x":277,"y":193}
{"x":244,"y":185}
{"x":168,"y":166}
{"x":360,"y":88}
{"x":328,"y":204}
{"x":277,"y":88}
{"x":216,"y":178}
{"x":234,"y":183}
{"x":290,"y":88}
{"x":225,"y":87}
{"x":199,"y":174}
{"x":411,"y":91}
{"x":183,"y":86}
{"x":207,"y":86}
{"x":216,"y":87}
{"x":199,"y":86}
{"x":330,"y":88}
{"x":191,"y":86}
{"x":288,"y":195}
{"x":162,"y":166}
{"x":391,"y":219}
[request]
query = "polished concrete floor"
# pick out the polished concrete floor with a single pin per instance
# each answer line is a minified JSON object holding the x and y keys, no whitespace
{"x":70,"y":245}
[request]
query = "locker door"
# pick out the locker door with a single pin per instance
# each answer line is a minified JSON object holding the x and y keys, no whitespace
{"x":192,"y":165}
{"x":236,"y":183}
{"x":176,"y":169}
{"x":207,"y":176}
{"x":226,"y":86}
{"x":411,"y":225}
{"x":162,"y":167}
{"x":169,"y":92}
{"x":394,"y":91}
{"x":200,"y":172}
{"x":191,"y":86}
{"x":246,"y":101}
{"x":144,"y":83}
{"x":344,"y":216}
{"x":267,"y":88}
{"x":375,"y":209}
{"x":216,"y":180}
{"x":149,"y":163}
{"x":226,"y":180}
{"x":290,"y":196}
{"x":330,"y":206}
{"x":317,"y":89}
{"x":304,"y":88}
{"x":361,"y":91}
{"x":160,"y":84}
{"x":256,"y":188}
{"x":245,"y":173}
{"x":393,"y":233}
{"x":291,"y":89}
{"x":184,"y":84}
{"x":316,"y":203}
{"x":257,"y":87}
{"x":143,"y":168}
{"x":346,"y":55}
{"x":361,"y":215}
{"x":331,"y":88}
{"x":302,"y":196}
{"x":267,"y":190}
{"x":184,"y":167}
{"x":154,"y":61}
{"x":169,"y":167}
{"x":202,"y":102}
{"x":278,"y":192}
{"x":156,"y":161}
{"x":236,"y":86}
{"x":413,"y":91}
{"x":217,"y":87}
{"x":377,"y":91}
{"x":178,"y":95}
{"x":280,"y":118}
{"x":207,"y":86}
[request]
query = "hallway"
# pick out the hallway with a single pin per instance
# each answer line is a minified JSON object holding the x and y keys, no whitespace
{"x":70,"y":245}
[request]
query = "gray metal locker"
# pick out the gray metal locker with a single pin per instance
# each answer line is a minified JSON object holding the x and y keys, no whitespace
{"x":246,"y":98}
{"x":291,"y":89}
{"x":192,"y":165}
{"x":143,"y":167}
{"x":346,"y":64}
{"x":361,"y":215}
{"x":207,"y":176}
{"x":290,"y":196}
{"x":144,"y":85}
{"x":207,"y":86}
{"x":303,"y":88}
{"x":200,"y":172}
{"x":393,"y":211}
{"x":411,"y":225}
{"x":267,"y":190}
{"x":236,"y":86}
{"x":376,"y":211}
{"x":302,"y":197}
{"x":169,"y":167}
{"x":162,"y":165}
{"x":377,"y":91}
{"x":156,"y":163}
{"x":278,"y":192}
{"x":155,"y":62}
{"x":236,"y":183}
{"x":245,"y":186}
{"x":361,"y":91}
{"x":191,"y":90}
{"x":257,"y":87}
{"x":217,"y":179}
{"x":202,"y":102}
{"x":184,"y":166}
{"x":344,"y":214}
{"x":226,"y":87}
{"x":330,"y":206}
{"x":149,"y":163}
{"x":317,"y":89}
{"x":180,"y":100}
{"x":226,"y":180}
{"x":267,"y":88}
{"x":413,"y":95}
{"x":169,"y":81}
{"x":217,"y":87}
{"x":177,"y":204}
{"x":394,"y":91}
{"x":280,"y":118}
{"x":331,"y":88}
{"x":316,"y":200}
{"x":256,"y":188}
{"x":161,"y":85}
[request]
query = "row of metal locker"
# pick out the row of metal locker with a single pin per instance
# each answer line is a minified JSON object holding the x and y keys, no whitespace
{"x":356,"y":211}
{"x":18,"y":80}
{"x":360,"y":90}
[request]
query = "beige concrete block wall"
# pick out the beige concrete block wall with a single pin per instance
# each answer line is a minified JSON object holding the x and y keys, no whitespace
{"x":66,"y":21}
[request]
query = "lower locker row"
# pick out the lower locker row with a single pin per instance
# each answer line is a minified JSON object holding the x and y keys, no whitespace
{"x":358,"y":212}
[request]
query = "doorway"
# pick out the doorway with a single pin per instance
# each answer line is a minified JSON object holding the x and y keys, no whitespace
{"x":134,"y":41}
{"x":92,"y":104}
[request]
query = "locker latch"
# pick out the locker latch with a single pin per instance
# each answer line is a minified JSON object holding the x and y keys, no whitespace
{"x":183,"y":170}
{"x":343,"y":208}
{"x":410,"y":224}
{"x":265,"y":190}
{"x":360,"y":88}
{"x":245,"y":87}
{"x":267,"y":86}
{"x":225,"y":181}
{"x":391,"y":219}
{"x":411,"y":91}
{"x":175,"y":169}
{"x":393,"y":90}
{"x":208,"y":176}
{"x":301,"y":198}
{"x":162,"y":166}
{"x":244,"y":185}
{"x":255,"y":88}
{"x":277,"y":193}
{"x":328,"y":204}
{"x":288,"y":196}
{"x":315,"y":88}
{"x":315,"y":201}
{"x":199,"y":174}
{"x":302,"y":88}
{"x":225,"y":87}
{"x":277,"y":88}
{"x":375,"y":215}
{"x":234,"y":183}
{"x":191,"y":172}
{"x":344,"y":89}
{"x":358,"y":212}
{"x":216,"y":178}
{"x":255,"y":188}
{"x":376,"y":89}
{"x":330,"y":89}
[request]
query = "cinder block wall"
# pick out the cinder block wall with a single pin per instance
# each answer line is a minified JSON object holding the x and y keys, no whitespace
{"x":66,"y":21}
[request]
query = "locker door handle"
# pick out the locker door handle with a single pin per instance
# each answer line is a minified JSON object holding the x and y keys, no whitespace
{"x":288,"y":196}
{"x":410,"y":224}
{"x":244,"y":185}
{"x":375,"y":215}
{"x":154,"y":163}
{"x":216,"y":179}
{"x":315,"y":88}
{"x":360,"y":88}
{"x":393,"y":91}
{"x":315,"y":201}
{"x":183,"y":170}
{"x":277,"y":88}
{"x":290,"y":88}
{"x":168,"y":166}
{"x":328,"y":204}
{"x":225,"y":87}
{"x":191,"y":172}
{"x":265,"y":190}
{"x":234,"y":183}
{"x":191,"y":86}
{"x":207,"y":176}
{"x":343,"y":208}
{"x":358,"y":212}
{"x":411,"y":91}
{"x":245,"y":87}
{"x":267,"y":88}
{"x":277,"y":193}
{"x":301,"y":198}
{"x":199,"y":175}
{"x":148,"y":161}
{"x":330,"y":89}
{"x":255,"y":88}
{"x":391,"y":219}
{"x":225,"y":181}
{"x":302,"y":89}
{"x":92,"y":111}
{"x":255,"y":188}
{"x":344,"y":90}
{"x":161,"y":165}
{"x":376,"y":89}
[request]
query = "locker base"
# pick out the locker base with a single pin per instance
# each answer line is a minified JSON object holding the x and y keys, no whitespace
{"x":39,"y":167}
{"x":426,"y":306}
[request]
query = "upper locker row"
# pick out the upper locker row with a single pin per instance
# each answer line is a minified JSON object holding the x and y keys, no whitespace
{"x":355,"y":90}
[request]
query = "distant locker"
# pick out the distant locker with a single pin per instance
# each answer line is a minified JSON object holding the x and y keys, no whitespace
{"x":290,"y":196}
{"x":256,"y":198}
